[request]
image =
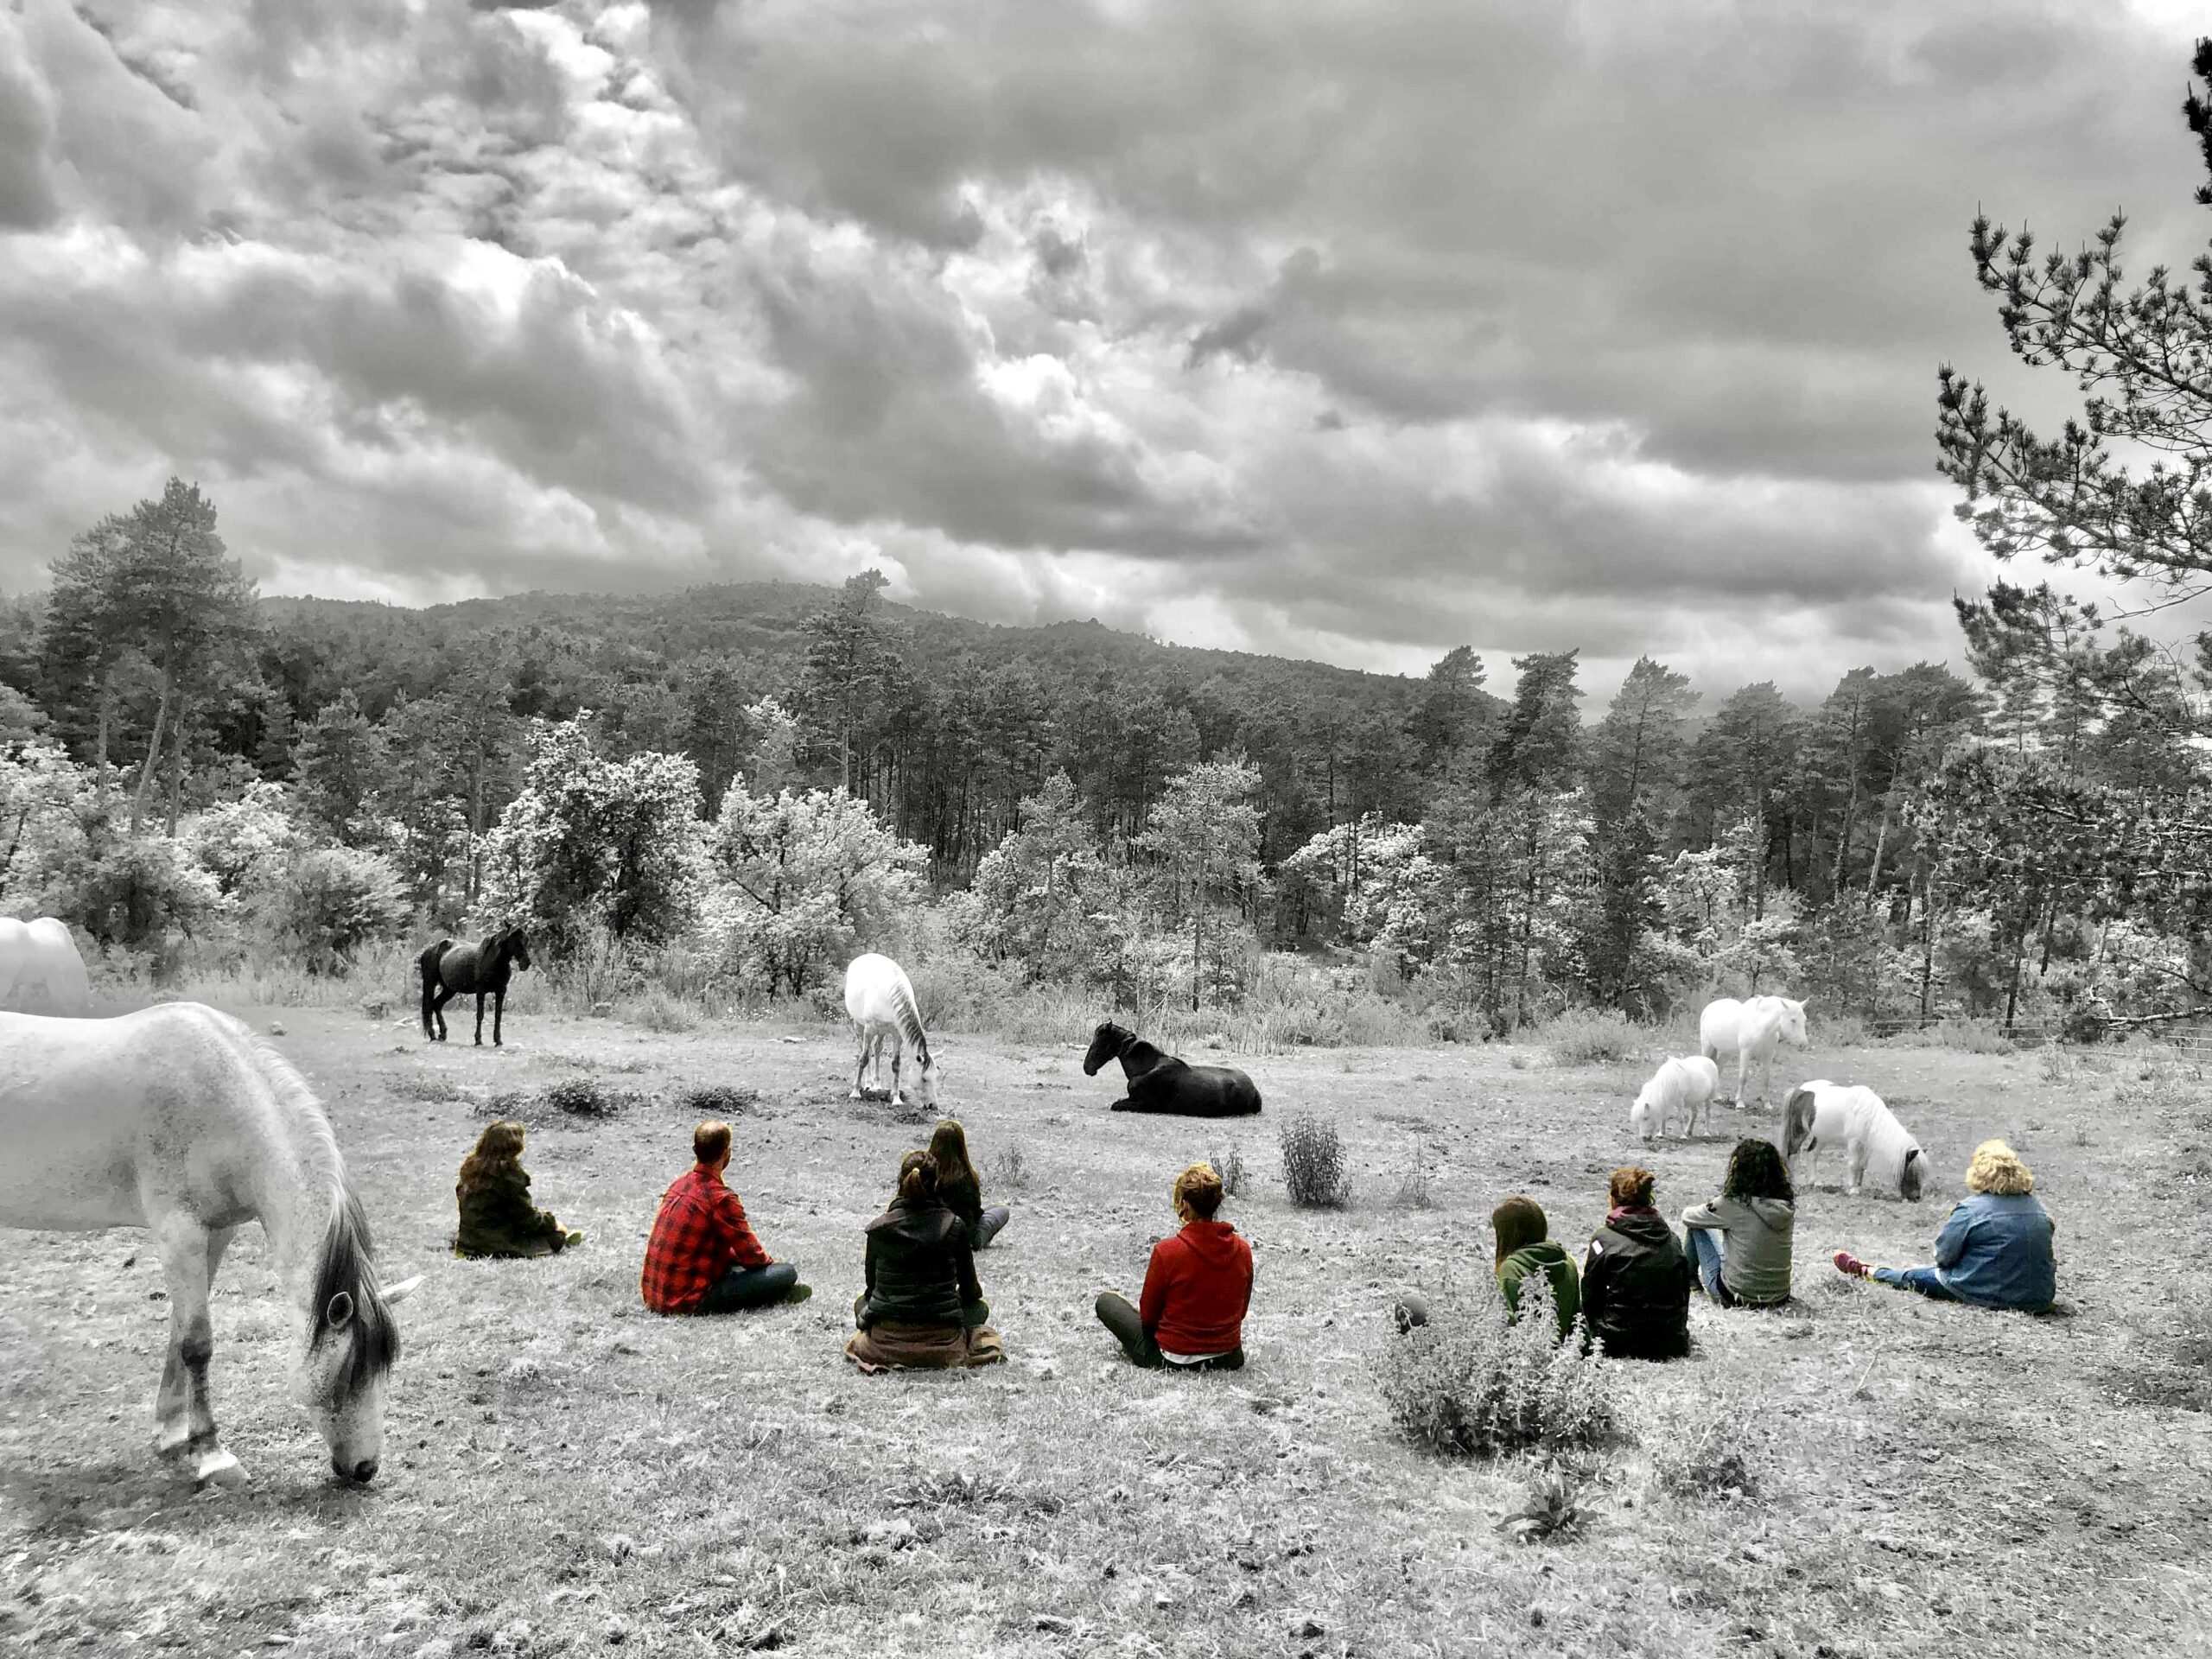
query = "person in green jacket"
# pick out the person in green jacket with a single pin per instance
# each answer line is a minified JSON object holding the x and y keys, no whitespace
{"x":1524,"y":1245}
{"x":497,"y":1217}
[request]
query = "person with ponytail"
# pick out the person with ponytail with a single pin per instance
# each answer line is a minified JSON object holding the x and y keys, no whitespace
{"x":1197,"y":1290}
{"x":497,"y":1217}
{"x":922,"y":1307}
{"x":962,"y":1188}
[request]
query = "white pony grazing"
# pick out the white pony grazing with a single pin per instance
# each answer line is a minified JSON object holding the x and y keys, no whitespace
{"x":178,"y":1119}
{"x":1821,"y":1115}
{"x":1749,"y":1031}
{"x":1679,"y":1086}
{"x":880,"y":1000}
{"x":40,"y":969}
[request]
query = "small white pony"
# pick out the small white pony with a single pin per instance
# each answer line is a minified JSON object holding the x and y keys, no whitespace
{"x":880,"y":1000}
{"x":1678,"y":1087}
{"x":1750,"y":1030}
{"x":40,"y":969}
{"x":1821,"y":1115}
{"x":178,"y":1119}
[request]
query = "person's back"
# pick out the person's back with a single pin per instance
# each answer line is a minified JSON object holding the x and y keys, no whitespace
{"x":1547,"y":1257}
{"x":1635,"y":1279}
{"x":497,"y":1217}
{"x":1755,"y":1216}
{"x":1995,"y":1249}
{"x":702,"y":1256}
{"x":920,"y":1267}
{"x":1197,"y":1289}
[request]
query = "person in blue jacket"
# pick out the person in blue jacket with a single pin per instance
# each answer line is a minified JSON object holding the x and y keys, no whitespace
{"x":1994,"y":1250}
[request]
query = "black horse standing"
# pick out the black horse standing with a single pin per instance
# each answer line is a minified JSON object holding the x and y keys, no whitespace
{"x":451,"y":969}
{"x":1161,"y":1083}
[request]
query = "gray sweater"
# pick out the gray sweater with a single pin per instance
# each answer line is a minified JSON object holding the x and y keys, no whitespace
{"x":1755,"y":1245}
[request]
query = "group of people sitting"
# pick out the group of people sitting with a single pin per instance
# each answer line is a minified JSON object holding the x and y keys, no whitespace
{"x":922,"y":1307}
{"x":1632,"y":1292}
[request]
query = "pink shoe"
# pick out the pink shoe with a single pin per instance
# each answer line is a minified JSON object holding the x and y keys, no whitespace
{"x":1845,"y":1262}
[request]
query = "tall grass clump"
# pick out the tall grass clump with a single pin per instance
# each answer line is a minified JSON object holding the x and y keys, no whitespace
{"x":1313,"y":1167}
{"x":1472,"y":1383}
{"x":1721,"y":1451}
{"x":1591,"y":1037}
{"x":1230,"y":1166}
{"x":1957,"y":1031}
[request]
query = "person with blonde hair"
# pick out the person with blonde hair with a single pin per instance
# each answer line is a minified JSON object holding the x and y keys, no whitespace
{"x":1636,"y":1279}
{"x":962,"y":1188}
{"x":497,"y":1217}
{"x":1995,"y":1248}
{"x":1190,"y":1316}
{"x":921,"y":1307}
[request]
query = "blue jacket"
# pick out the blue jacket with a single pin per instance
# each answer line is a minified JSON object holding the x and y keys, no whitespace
{"x":1995,"y":1249}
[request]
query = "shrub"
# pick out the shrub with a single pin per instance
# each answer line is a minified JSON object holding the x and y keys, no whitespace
{"x":1553,"y":1510}
{"x":1413,"y":1192}
{"x":1008,"y":1169}
{"x":326,"y":904}
{"x":1591,"y":1037}
{"x":657,"y":1008}
{"x":721,"y":1101}
{"x":1230,"y":1166}
{"x":1472,"y":1384}
{"x":1957,"y":1032}
{"x":1717,"y":1453}
{"x":584,"y":1096}
{"x":1314,"y":1162}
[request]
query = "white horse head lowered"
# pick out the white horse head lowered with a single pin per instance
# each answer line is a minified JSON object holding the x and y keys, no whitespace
{"x":178,"y":1119}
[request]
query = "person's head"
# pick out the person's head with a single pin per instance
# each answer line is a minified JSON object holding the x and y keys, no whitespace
{"x":498,"y":1147}
{"x":1518,"y":1223}
{"x":1756,"y":1171}
{"x":948,"y":1146}
{"x":1997,"y":1168}
{"x":918,"y":1177}
{"x":1197,"y":1194}
{"x":1630,"y":1187}
{"x":710,"y":1144}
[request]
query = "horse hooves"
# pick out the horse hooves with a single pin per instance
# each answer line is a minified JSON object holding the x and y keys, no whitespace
{"x":220,"y":1468}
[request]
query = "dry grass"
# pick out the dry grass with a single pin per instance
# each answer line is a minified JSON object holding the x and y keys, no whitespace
{"x":567,"y":1475}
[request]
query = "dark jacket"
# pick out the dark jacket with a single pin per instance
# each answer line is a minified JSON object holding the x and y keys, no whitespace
{"x":921,"y":1270}
{"x":1545,"y":1256}
{"x":1636,"y":1287}
{"x":497,"y":1217}
{"x":1197,"y":1289}
{"x":964,"y":1197}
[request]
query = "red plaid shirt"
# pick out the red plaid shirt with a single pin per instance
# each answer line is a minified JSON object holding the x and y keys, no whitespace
{"x":698,"y":1234}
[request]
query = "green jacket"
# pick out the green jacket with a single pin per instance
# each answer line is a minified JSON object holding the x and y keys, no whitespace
{"x":1547,"y":1257}
{"x":497,"y":1219}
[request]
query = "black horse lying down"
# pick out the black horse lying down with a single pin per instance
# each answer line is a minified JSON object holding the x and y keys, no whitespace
{"x":1161,"y":1083}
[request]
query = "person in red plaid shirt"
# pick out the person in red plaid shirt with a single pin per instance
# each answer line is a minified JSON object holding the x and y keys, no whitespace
{"x":703,"y":1258}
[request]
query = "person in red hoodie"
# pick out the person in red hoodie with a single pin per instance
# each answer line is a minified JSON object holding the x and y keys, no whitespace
{"x":1192,"y":1314}
{"x":703,"y":1258}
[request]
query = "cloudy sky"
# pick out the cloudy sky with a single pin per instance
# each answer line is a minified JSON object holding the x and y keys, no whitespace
{"x":1354,"y":331}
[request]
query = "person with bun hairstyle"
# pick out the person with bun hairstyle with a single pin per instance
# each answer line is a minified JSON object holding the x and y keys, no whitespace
{"x":922,"y":1307}
{"x":1636,"y":1279}
{"x":497,"y":1217}
{"x":961,"y":1188}
{"x":1197,"y":1290}
{"x":1995,"y":1248}
{"x":703,"y":1258}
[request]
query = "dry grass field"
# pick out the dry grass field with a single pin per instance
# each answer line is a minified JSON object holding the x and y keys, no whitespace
{"x":567,"y":1474}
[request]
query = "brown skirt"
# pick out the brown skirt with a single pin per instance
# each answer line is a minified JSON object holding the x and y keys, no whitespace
{"x":891,"y":1347}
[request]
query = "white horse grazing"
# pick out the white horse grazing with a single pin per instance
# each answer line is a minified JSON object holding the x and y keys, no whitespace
{"x":178,"y":1119}
{"x":40,"y":969}
{"x":1749,"y":1031}
{"x":1821,"y":1115}
{"x":1678,"y":1087}
{"x":880,"y":1000}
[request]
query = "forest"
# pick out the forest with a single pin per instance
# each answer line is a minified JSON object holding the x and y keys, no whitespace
{"x":729,"y":790}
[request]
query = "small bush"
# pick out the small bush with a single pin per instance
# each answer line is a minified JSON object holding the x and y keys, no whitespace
{"x":720,"y":1101}
{"x":1230,"y":1166}
{"x":1414,"y":1185}
{"x":657,"y":1008}
{"x":1554,"y":1509}
{"x":1009,"y":1170}
{"x":1470,"y":1383}
{"x":1591,"y":1037}
{"x":1313,"y":1163}
{"x":586,"y":1098}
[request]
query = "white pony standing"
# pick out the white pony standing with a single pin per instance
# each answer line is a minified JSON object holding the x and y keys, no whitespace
{"x":1821,"y":1115}
{"x":1750,"y":1030}
{"x":1680,"y":1086}
{"x":180,"y":1120}
{"x":40,"y":969}
{"x":880,"y":1000}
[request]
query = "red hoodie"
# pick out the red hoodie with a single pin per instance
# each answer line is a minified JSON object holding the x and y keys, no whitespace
{"x":1197,"y":1289}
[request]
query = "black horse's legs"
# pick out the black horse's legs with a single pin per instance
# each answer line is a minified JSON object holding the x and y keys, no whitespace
{"x":498,"y":1007}
{"x":480,"y":1019}
{"x":438,"y":1010}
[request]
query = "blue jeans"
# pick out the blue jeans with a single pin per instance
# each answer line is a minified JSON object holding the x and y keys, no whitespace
{"x":1926,"y":1281}
{"x":1708,"y":1252}
{"x":744,"y":1287}
{"x":988,"y":1225}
